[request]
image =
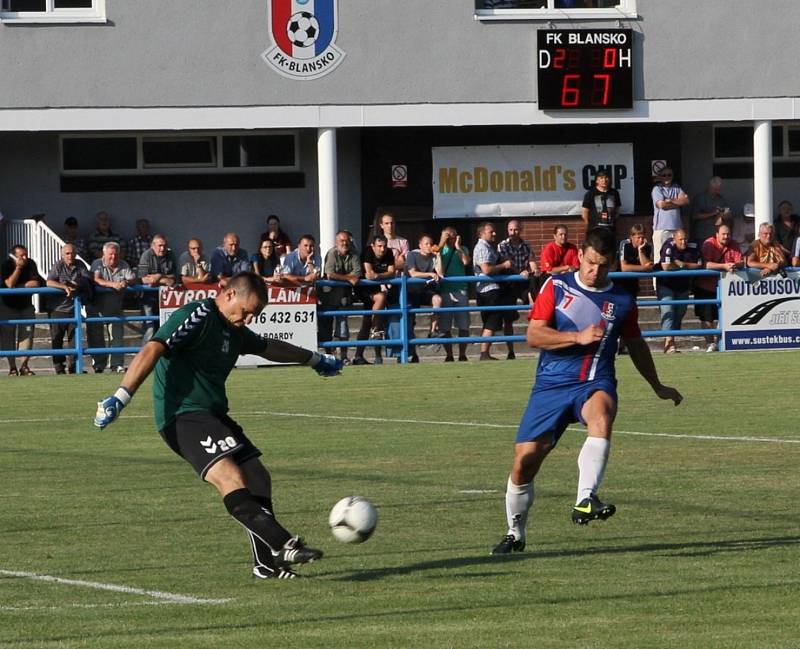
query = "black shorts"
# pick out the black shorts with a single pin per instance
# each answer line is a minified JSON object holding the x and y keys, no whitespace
{"x":492,"y":320}
{"x":203,"y":439}
{"x":706,"y":312}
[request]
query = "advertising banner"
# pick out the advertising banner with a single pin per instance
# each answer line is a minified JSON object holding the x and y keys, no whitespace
{"x":760,"y":313}
{"x":290,"y":315}
{"x":516,"y":181}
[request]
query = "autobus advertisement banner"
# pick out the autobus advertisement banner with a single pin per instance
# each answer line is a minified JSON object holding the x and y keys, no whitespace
{"x":290,"y":315}
{"x":760,"y":313}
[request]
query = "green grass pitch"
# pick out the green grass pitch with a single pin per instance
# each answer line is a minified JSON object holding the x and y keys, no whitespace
{"x":703,"y":551}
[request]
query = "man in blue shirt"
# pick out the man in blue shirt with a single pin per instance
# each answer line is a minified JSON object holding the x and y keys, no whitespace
{"x":576,"y":322}
{"x":229,"y":259}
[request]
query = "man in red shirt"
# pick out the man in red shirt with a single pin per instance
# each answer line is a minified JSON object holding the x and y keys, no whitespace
{"x":559,"y":256}
{"x":720,"y":252}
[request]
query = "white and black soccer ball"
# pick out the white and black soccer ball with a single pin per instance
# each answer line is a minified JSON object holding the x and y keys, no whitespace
{"x":353,"y":519}
{"x":303,"y":29}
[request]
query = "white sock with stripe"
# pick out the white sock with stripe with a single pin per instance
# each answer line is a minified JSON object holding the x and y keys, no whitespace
{"x":519,"y":499}
{"x":592,"y":462}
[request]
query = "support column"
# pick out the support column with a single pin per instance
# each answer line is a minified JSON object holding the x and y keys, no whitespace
{"x":762,"y":172}
{"x":328,"y":196}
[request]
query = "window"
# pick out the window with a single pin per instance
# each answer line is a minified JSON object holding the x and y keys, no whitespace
{"x":153,"y":153}
{"x":98,"y":153}
{"x":734,"y":143}
{"x":53,"y":11}
{"x":179,"y":152}
{"x":550,"y":9}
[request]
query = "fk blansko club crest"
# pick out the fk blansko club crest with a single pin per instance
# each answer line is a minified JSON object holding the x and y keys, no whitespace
{"x":304,"y":35}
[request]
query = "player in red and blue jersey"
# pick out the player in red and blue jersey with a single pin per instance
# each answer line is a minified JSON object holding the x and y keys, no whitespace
{"x":576,"y":322}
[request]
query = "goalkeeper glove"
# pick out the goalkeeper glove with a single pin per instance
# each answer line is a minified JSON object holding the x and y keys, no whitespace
{"x":109,"y":408}
{"x":325,"y":364}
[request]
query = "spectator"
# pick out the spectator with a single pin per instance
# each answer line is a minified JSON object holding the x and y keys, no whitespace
{"x":266,"y":263}
{"x":398,"y":245}
{"x":601,"y":204}
{"x":71,"y":277}
{"x":283,"y":244}
{"x":157,"y":267}
{"x":668,"y":199}
{"x":102,"y":235}
{"x":721,"y":253}
{"x":377,"y":264}
{"x":635,"y":256}
{"x":676,"y":254}
{"x":421,"y":264}
{"x":486,"y":261}
{"x":18,"y":271}
{"x":139,"y":244}
{"x":708,"y":209}
{"x":72,"y":235}
{"x":786,"y":226}
{"x":767,"y":254}
{"x":743,"y":227}
{"x":342,"y":264}
{"x":452,"y":262}
{"x":115,"y":274}
{"x":229,"y":259}
{"x":194,"y":267}
{"x":522,"y":263}
{"x":559,"y":256}
{"x":302,"y":265}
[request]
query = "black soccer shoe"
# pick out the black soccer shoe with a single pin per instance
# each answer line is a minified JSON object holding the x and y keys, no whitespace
{"x":508,"y":545}
{"x":264,"y":572}
{"x":294,"y":551}
{"x":591,"y":509}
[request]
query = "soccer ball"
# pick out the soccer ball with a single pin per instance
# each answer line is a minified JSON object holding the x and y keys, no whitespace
{"x":303,"y":29}
{"x":353,"y":519}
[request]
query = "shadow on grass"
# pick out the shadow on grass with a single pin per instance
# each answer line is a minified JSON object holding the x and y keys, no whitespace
{"x":699,"y":548}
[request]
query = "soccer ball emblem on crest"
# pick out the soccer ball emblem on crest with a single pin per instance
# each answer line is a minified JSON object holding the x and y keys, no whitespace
{"x":302,"y":29}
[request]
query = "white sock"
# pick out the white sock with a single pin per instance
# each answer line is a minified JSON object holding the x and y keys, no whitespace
{"x":519,"y":498}
{"x":591,"y":465}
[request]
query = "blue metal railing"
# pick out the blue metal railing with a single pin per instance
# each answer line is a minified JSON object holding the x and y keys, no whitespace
{"x":402,"y":343}
{"x":77,"y":319}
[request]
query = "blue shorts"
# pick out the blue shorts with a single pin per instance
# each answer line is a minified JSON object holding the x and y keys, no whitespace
{"x":551,"y":410}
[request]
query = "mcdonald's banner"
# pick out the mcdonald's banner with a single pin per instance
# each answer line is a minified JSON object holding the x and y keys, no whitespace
{"x":529,"y":180}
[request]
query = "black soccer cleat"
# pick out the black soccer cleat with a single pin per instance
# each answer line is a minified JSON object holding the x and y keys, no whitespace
{"x":591,"y":509}
{"x":508,"y":545}
{"x":265,"y":572}
{"x":294,"y":551}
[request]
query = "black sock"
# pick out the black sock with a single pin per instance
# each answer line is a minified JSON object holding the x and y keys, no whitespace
{"x":262,"y":554}
{"x":256,"y":519}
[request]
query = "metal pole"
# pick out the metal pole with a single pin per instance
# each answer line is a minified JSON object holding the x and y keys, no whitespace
{"x":404,"y":319}
{"x":762,"y":173}
{"x":78,"y":335}
{"x":328,"y":198}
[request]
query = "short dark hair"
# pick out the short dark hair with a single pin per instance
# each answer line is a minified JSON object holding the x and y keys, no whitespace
{"x":247,"y":283}
{"x":602,"y":173}
{"x":379,"y":237}
{"x":559,"y":227}
{"x":70,"y":220}
{"x":310,"y":237}
{"x":601,"y":240}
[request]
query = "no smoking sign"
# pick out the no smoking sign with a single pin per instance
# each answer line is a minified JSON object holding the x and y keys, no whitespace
{"x":399,"y":175}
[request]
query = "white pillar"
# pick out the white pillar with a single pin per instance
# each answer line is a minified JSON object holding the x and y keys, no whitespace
{"x":328,"y":198}
{"x":762,"y":173}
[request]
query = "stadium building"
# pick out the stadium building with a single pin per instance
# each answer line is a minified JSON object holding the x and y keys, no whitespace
{"x":326,"y":111}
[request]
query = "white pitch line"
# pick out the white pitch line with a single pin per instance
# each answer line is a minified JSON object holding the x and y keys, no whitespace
{"x":471,"y":424}
{"x":174,"y":598}
{"x":513,"y":426}
{"x":69,"y":607}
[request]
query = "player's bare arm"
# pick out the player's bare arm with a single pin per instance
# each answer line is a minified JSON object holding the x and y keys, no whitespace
{"x":542,"y":336}
{"x":643,"y":362}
